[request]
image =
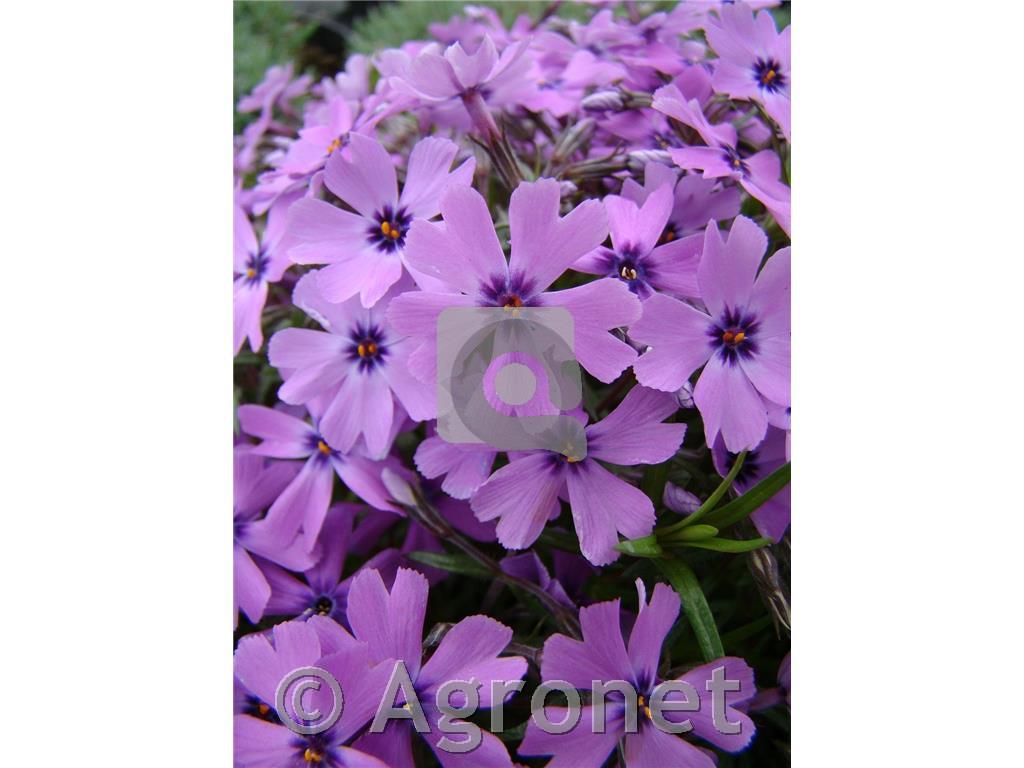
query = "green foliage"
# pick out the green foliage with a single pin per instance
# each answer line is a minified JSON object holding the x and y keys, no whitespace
{"x":388,"y":25}
{"x":695,"y":606}
{"x":266,"y":34}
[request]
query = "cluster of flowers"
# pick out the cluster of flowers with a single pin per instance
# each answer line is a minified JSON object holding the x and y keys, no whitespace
{"x":614,"y":157}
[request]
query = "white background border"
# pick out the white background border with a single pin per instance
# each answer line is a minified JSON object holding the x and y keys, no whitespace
{"x":116,"y":383}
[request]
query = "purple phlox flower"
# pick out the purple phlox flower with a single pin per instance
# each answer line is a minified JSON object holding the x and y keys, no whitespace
{"x":357,"y":366}
{"x":323,"y":591}
{"x":500,"y":79}
{"x":401,"y":484}
{"x":772,"y":697}
{"x":352,"y":83}
{"x":603,"y":656}
{"x":663,"y":52}
{"x":696,"y":200}
{"x":263,"y":660}
{"x":464,"y":466}
{"x":276,"y":90}
{"x":754,"y":60}
{"x":602,"y":33}
{"x":743,"y":339}
{"x":529,"y":566}
{"x":257,"y":263}
{"x":329,"y":126}
{"x":302,"y":505}
{"x":645,"y":255}
{"x":679,"y":499}
{"x":277,"y":86}
{"x":391,"y":622}
{"x":364,"y":250}
{"x":257,"y":482}
{"x":477,"y":22}
{"x":561,"y":86}
{"x":758,"y":174}
{"x":463,"y":252}
{"x":525,"y":493}
{"x":772,"y":517}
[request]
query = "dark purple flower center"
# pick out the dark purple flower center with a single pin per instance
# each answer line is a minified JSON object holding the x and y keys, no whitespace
{"x":389,"y":229}
{"x":316,"y":751}
{"x":259,"y":709}
{"x":769,"y":75}
{"x":750,"y":469}
{"x":255,"y":268}
{"x":323,"y":606}
{"x":666,"y":140}
{"x":367,"y":347}
{"x":734,"y":336}
{"x":319,"y":447}
{"x":510,"y":292}
{"x":732,"y":157}
{"x":628,"y":266}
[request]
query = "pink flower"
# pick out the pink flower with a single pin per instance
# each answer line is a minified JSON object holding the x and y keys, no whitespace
{"x":364,"y":251}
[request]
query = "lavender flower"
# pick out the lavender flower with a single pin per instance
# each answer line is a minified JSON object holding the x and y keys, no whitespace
{"x":525,"y":493}
{"x":743,"y":337}
{"x":603,"y":656}
{"x":357,"y":366}
{"x":303,"y":504}
{"x":392,"y":625}
{"x":364,"y":250}
{"x":464,"y":255}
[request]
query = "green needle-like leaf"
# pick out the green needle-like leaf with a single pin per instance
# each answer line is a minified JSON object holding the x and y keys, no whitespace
{"x":454,"y":563}
{"x":737,"y":509}
{"x":728,"y":545}
{"x":695,"y":606}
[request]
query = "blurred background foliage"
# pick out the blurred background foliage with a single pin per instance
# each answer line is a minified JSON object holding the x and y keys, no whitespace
{"x":318,"y":36}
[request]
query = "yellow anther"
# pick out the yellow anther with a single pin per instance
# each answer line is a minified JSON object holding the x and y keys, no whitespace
{"x":313,"y":755}
{"x":768,"y":76}
{"x":627,"y":272}
{"x":740,"y":336}
{"x":395,"y":233}
{"x":323,"y":447}
{"x":250,"y":272}
{"x":642,"y":705}
{"x":385,"y":228}
{"x":262,"y":708}
{"x":333,"y":145}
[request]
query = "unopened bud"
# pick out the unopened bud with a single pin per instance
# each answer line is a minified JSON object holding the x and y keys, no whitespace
{"x":679,"y":500}
{"x":639,"y":158}
{"x":603,"y":101}
{"x":684,"y":396}
{"x":573,"y":138}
